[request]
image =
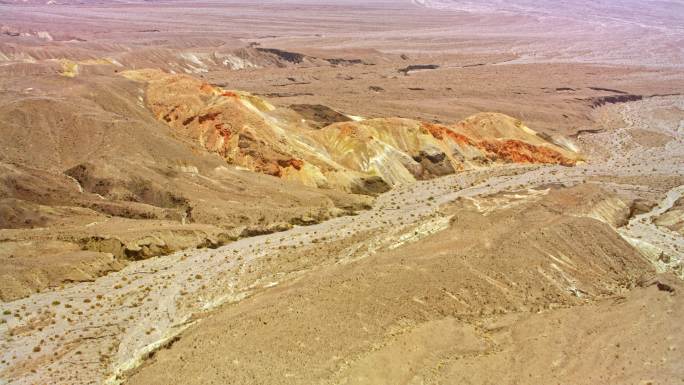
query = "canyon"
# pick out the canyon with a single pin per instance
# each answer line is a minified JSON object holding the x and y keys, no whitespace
{"x":300,"y":192}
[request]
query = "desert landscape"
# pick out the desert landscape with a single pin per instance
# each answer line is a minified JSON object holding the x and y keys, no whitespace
{"x":341,"y":192}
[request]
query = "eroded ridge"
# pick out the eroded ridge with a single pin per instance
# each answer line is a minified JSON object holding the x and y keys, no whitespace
{"x":97,"y":331}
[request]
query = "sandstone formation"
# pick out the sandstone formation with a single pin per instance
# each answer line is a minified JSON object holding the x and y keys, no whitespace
{"x":365,"y":156}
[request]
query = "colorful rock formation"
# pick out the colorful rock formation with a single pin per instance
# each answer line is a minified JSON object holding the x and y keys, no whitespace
{"x":366,"y":156}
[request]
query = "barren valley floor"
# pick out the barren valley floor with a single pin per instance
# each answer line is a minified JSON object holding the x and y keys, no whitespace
{"x":102,"y":330}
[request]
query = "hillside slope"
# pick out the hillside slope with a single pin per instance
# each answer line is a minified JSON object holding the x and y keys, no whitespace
{"x":497,"y":286}
{"x":86,"y":167}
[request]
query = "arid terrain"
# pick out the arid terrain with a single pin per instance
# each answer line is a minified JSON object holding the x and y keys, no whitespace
{"x":318,"y":192}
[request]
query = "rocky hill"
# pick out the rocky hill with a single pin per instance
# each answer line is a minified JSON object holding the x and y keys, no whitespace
{"x":101,"y":169}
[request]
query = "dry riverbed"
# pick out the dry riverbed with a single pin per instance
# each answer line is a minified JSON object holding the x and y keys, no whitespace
{"x":96,"y":332}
